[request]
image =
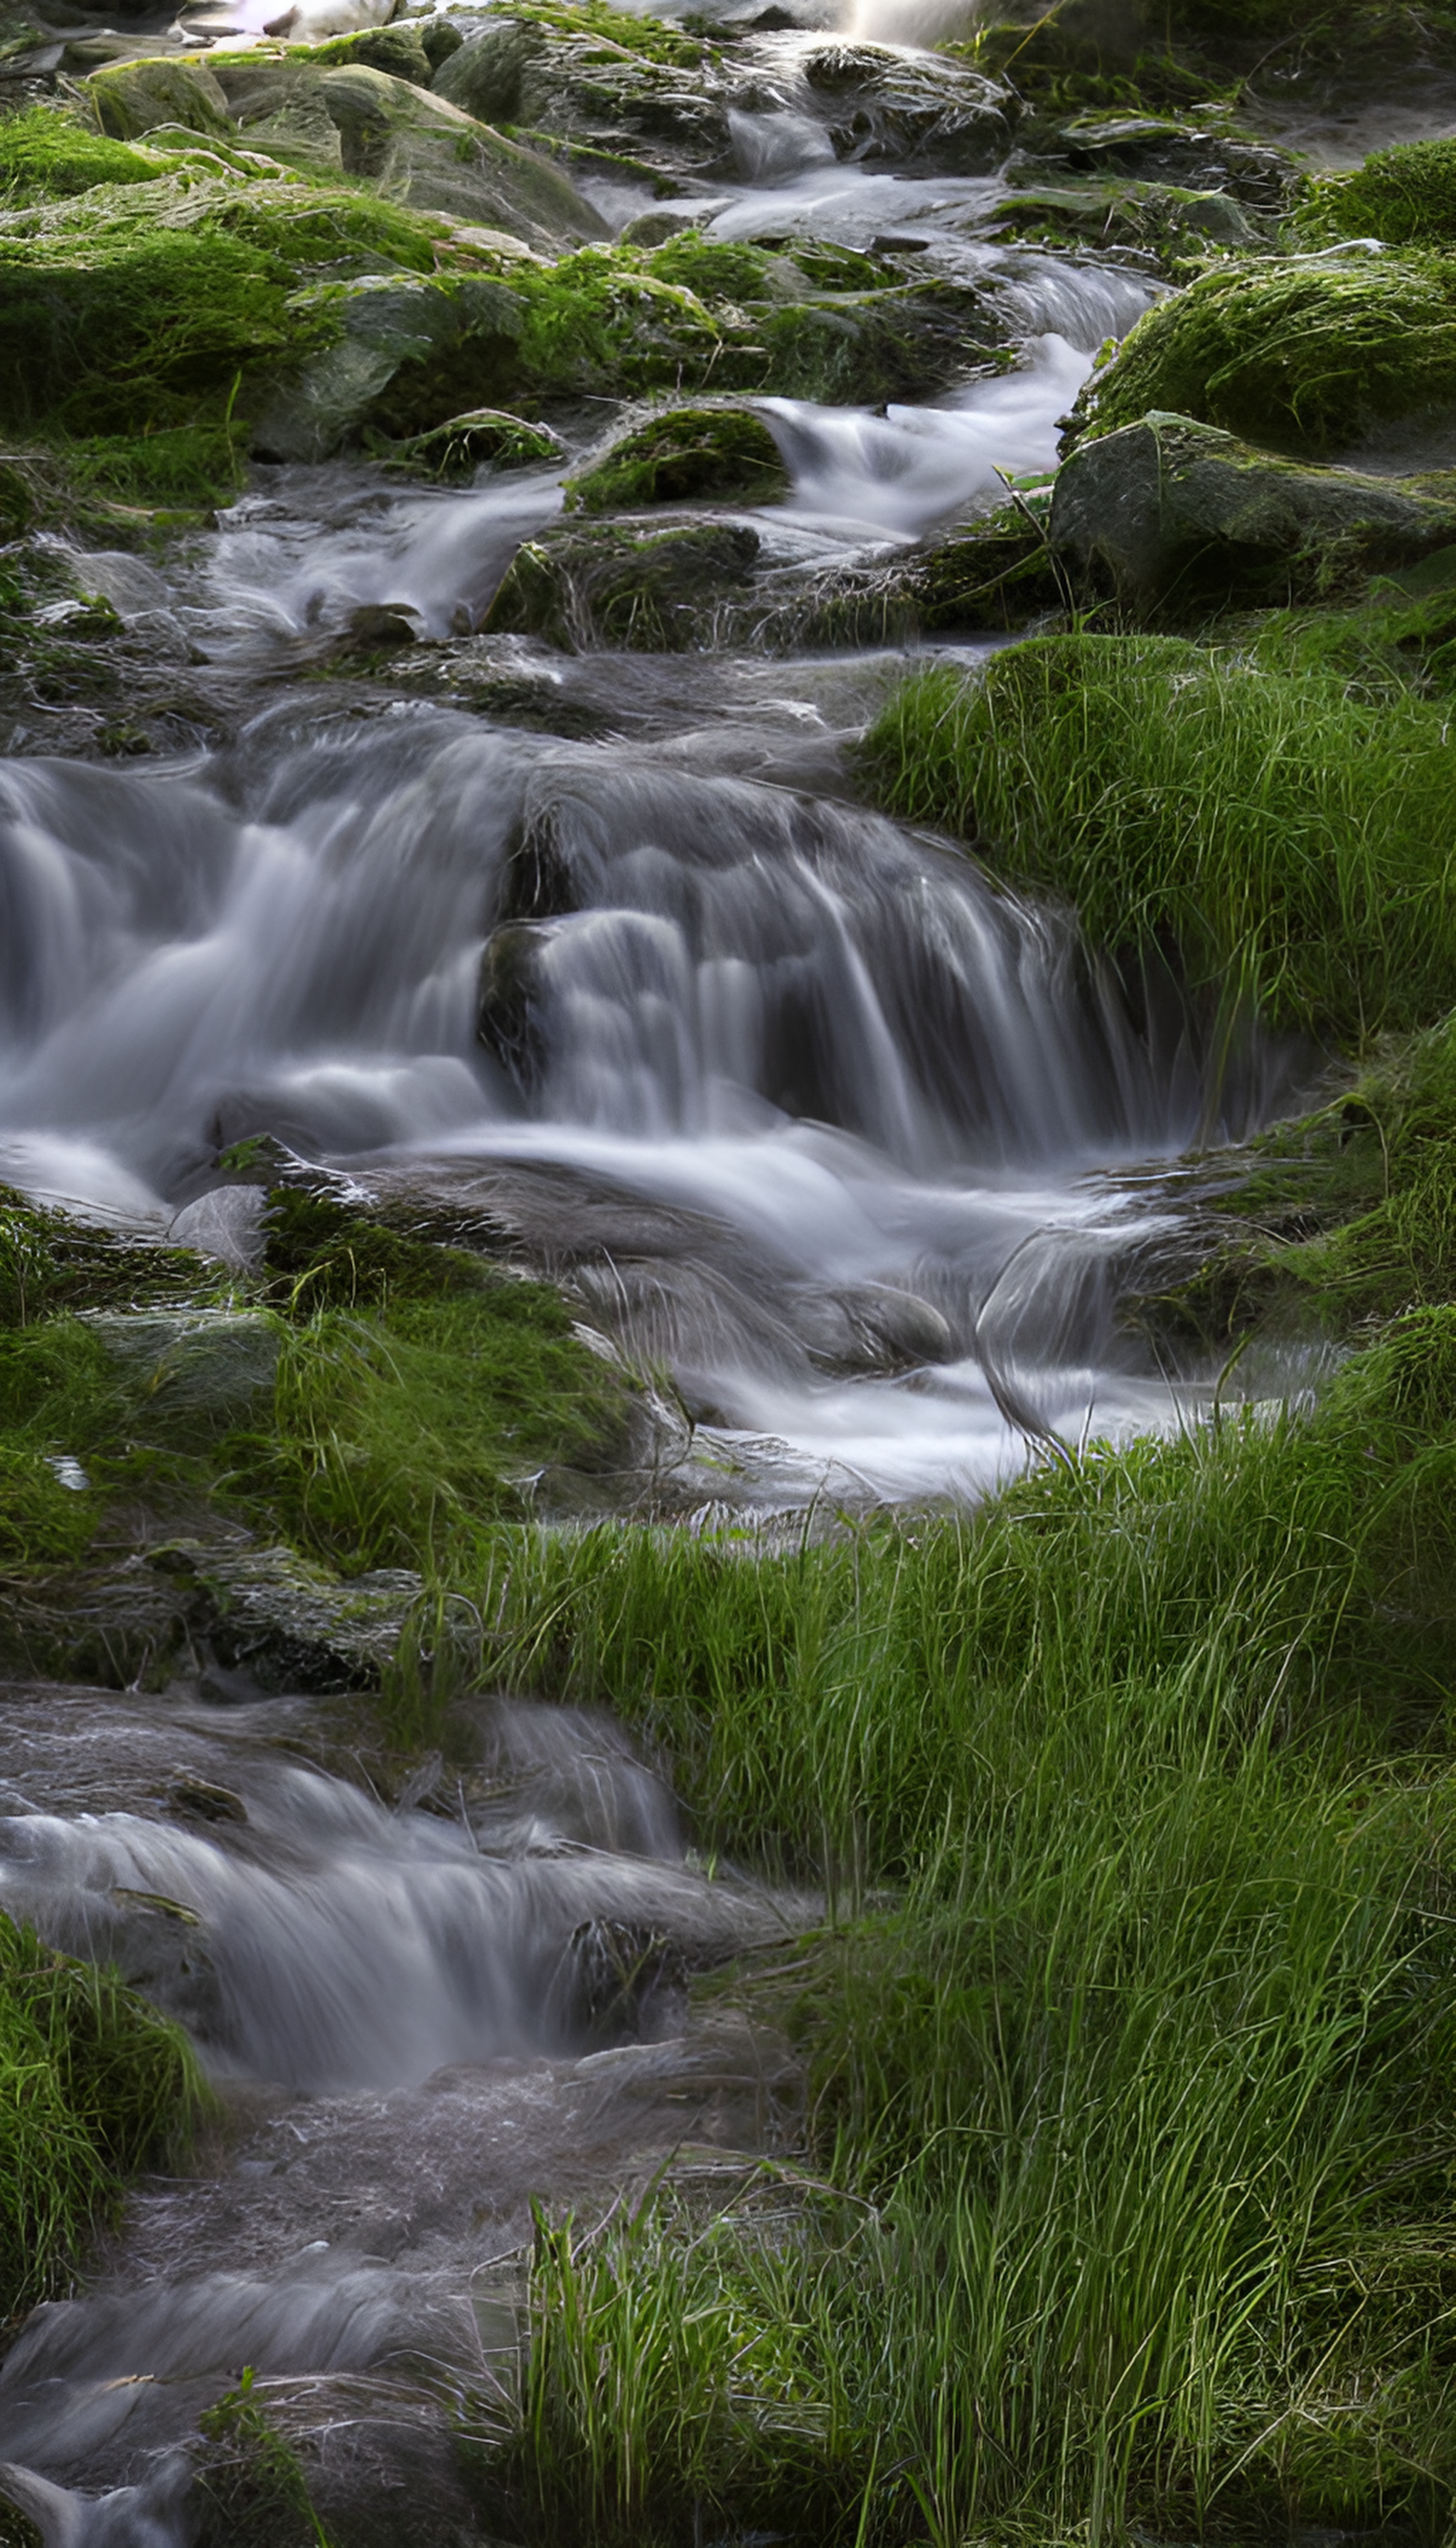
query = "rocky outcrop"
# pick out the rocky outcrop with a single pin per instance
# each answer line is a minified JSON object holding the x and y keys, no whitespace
{"x":1173,"y":514}
{"x":620,"y":584}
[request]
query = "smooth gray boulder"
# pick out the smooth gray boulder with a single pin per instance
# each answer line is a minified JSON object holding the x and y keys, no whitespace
{"x":1173,"y":514}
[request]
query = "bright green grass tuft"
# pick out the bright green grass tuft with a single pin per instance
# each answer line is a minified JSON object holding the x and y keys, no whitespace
{"x":45,"y":153}
{"x":1295,"y":839}
{"x":92,"y":2085}
{"x":1144,"y":2071}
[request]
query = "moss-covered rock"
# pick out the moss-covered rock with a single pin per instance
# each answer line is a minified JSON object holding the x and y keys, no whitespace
{"x":400,"y":50}
{"x":485,"y":437}
{"x":416,"y":148}
{"x":582,"y":78}
{"x":1405,"y":196}
{"x":1173,"y":514}
{"x":880,"y":104}
{"x":1304,"y":354}
{"x":616,"y":584}
{"x":134,"y":98}
{"x":722,"y":454}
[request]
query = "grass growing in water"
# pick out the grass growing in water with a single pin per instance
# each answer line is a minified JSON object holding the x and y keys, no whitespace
{"x":92,"y":2085}
{"x":1294,"y":839}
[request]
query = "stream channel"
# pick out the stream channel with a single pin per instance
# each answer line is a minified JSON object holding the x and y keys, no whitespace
{"x":862,"y":1152}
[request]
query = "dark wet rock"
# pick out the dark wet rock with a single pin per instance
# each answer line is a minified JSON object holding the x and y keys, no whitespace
{"x":509,"y":1016}
{"x":380,"y":628}
{"x":872,"y":1327}
{"x":263,"y":1615}
{"x":580,"y":86}
{"x":702,"y":454}
{"x":484,"y":438}
{"x":881,"y":105}
{"x":1169,"y":514}
{"x":621,"y":584}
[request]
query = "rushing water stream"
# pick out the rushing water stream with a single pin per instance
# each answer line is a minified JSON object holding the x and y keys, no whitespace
{"x":862,"y":1139}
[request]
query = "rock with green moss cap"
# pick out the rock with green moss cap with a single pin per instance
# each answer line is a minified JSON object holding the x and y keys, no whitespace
{"x":1307,"y":355}
{"x":415,"y":147}
{"x":400,"y":351}
{"x":398,"y":49}
{"x":1405,"y":196}
{"x":693,"y":454}
{"x":588,"y":77}
{"x":615,"y":584}
{"x":134,"y":98}
{"x":1170,"y":514}
{"x":879,"y":103}
{"x":487,"y":436}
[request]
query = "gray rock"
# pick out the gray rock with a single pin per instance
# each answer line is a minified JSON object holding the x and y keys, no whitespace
{"x":588,"y":90}
{"x":624,"y":584}
{"x":405,"y":349}
{"x":418,"y":148}
{"x":1174,"y":514}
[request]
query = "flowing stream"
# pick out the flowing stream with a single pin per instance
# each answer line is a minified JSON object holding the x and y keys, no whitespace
{"x":865,"y":1151}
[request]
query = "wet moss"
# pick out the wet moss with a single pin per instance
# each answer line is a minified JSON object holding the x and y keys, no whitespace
{"x":47,"y":154}
{"x":1405,"y":196}
{"x":713,"y":454}
{"x":1298,"y":354}
{"x":610,"y":584}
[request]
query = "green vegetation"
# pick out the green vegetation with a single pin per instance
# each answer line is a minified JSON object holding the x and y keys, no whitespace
{"x":1296,"y":353}
{"x":1293,"y":838}
{"x":93,"y":2085}
{"x":1144,"y":2071}
{"x":390,"y":1400}
{"x":595,"y":22}
{"x":1405,"y":196}
{"x":718,"y":454}
{"x":45,"y":155}
{"x":251,"y":2491}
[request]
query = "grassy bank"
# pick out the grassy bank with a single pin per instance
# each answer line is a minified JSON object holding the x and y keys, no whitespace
{"x":1281,"y":818}
{"x":1129,"y":2099}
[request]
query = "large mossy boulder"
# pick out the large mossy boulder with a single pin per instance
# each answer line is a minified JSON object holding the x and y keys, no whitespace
{"x":622,"y":585}
{"x":693,"y":454}
{"x":416,"y":148}
{"x":1405,"y":196}
{"x":1311,"y":355}
{"x":598,"y":80}
{"x":134,"y":98}
{"x":1173,"y":516}
{"x":881,"y":104}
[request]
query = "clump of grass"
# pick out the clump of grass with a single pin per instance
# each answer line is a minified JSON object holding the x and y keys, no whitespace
{"x":93,"y":2085}
{"x":1292,"y":840}
{"x":251,"y":2491}
{"x":1301,"y":354}
{"x":394,"y":1439}
{"x":681,"y":2368}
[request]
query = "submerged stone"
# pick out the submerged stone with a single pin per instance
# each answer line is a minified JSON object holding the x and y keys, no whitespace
{"x":615,"y":584}
{"x":1169,"y":513}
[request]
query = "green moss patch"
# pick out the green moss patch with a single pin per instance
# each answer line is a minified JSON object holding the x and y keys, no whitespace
{"x":1405,"y":196}
{"x":1303,"y":354}
{"x":1293,"y":839}
{"x":716,"y":454}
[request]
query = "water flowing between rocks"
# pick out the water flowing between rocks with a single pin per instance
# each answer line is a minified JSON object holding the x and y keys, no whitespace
{"x":861,"y":1150}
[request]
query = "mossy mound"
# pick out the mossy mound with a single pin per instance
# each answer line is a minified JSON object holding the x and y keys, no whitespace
{"x":708,"y":454}
{"x":612,"y":584}
{"x":1309,"y":355}
{"x":1290,"y":834}
{"x":485,"y":437}
{"x":1405,"y":196}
